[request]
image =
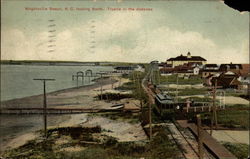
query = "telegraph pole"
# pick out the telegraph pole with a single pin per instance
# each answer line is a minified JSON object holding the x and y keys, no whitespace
{"x":44,"y":103}
{"x":101,"y":86}
{"x":139,"y":87}
{"x":150,"y":121}
{"x":214,"y":112}
{"x":200,"y":137}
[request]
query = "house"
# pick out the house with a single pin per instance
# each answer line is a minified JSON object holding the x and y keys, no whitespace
{"x":207,"y":81}
{"x":209,"y":69}
{"x":245,"y":70}
{"x":236,"y":68}
{"x":124,"y":69}
{"x":196,"y":70}
{"x":227,"y":80}
{"x":245,"y":81}
{"x":139,"y":68}
{"x":180,"y":60}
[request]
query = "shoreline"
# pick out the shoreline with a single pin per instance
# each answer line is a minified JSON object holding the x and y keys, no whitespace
{"x":16,"y":139}
{"x":27,"y":101}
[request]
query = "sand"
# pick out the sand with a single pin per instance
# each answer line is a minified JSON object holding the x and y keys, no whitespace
{"x":232,"y":136}
{"x":228,"y":99}
{"x":21,"y":140}
{"x":122,"y":131}
{"x":79,"y":98}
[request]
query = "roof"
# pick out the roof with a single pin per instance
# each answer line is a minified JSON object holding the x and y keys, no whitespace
{"x":245,"y":69}
{"x":209,"y":70}
{"x":231,"y":66}
{"x":185,"y":58}
{"x":164,"y":99}
{"x":124,"y":68}
{"x":211,"y":65}
{"x":226,"y":80}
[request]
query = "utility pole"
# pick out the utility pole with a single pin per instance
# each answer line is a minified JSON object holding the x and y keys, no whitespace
{"x":214,"y":112}
{"x":101,"y":86}
{"x":200,"y":137}
{"x":120,"y":81}
{"x":112,"y":84}
{"x":177,"y":83}
{"x":150,"y":121}
{"x":44,"y":103}
{"x":139,"y":88}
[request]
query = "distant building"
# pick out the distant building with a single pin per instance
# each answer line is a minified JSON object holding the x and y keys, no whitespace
{"x":181,"y":60}
{"x":227,"y":80}
{"x":196,"y":70}
{"x":124,"y":69}
{"x":236,"y":68}
{"x":209,"y":69}
{"x":129,"y":69}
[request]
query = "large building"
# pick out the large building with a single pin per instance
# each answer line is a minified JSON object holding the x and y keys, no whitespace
{"x":180,"y":60}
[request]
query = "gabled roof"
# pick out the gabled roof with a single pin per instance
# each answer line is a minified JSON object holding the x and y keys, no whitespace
{"x":185,"y":58}
{"x":230,"y":66}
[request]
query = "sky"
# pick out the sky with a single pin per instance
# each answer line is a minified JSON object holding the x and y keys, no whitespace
{"x":209,"y":29}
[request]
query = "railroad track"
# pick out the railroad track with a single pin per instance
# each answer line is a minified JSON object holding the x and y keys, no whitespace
{"x":187,"y":149}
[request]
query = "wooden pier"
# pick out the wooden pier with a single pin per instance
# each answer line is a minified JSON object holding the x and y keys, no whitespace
{"x":62,"y":110}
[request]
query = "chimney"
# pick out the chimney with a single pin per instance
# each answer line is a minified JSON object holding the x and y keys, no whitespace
{"x":188,"y":55}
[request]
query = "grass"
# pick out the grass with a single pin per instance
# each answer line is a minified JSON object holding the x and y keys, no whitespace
{"x":196,"y":99}
{"x":187,"y":91}
{"x":192,"y":91}
{"x":109,"y":149}
{"x":135,"y":85}
{"x":172,"y":79}
{"x":230,"y":118}
{"x":113,"y":96}
{"x":126,"y":116}
{"x":239,"y":150}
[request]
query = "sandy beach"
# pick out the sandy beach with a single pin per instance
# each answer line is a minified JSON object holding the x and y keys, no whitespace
{"x":81,"y":97}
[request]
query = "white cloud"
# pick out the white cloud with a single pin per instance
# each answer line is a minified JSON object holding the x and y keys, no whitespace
{"x":117,"y":37}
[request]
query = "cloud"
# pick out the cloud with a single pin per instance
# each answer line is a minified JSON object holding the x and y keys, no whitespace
{"x":117,"y":37}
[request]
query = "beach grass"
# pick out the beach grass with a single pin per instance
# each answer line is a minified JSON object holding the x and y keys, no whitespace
{"x":109,"y":148}
{"x":238,"y":149}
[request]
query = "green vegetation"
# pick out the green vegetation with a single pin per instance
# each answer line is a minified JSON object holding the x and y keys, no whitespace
{"x":196,"y":99}
{"x":192,"y":91}
{"x":135,"y":85}
{"x":230,"y":118}
{"x":172,"y":79}
{"x":125,"y":116}
{"x":239,"y":150}
{"x":113,"y":96}
{"x":160,"y":147}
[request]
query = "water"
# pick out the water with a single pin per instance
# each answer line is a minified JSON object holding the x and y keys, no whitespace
{"x":17,"y":80}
